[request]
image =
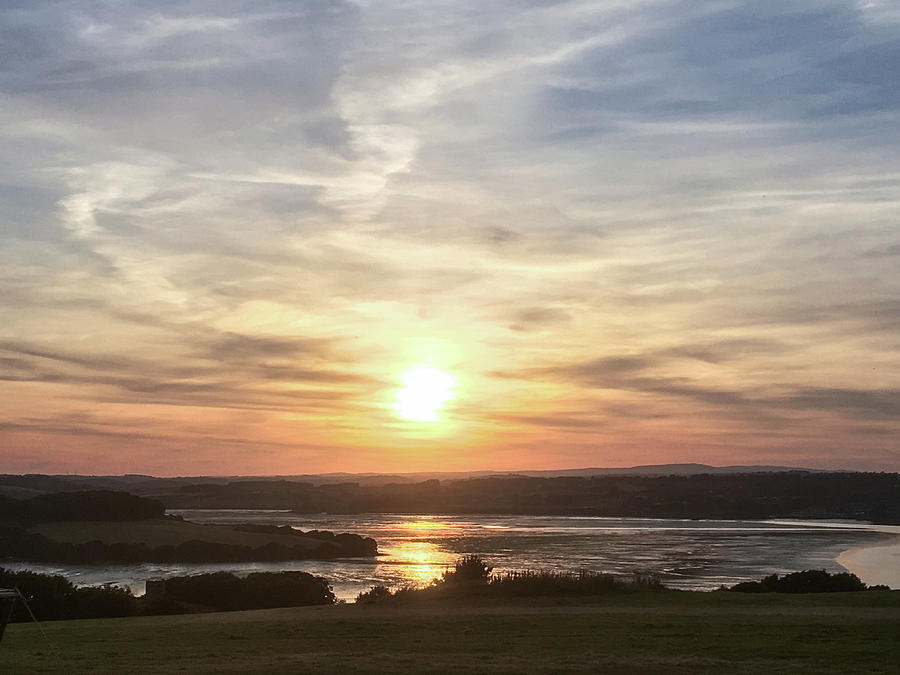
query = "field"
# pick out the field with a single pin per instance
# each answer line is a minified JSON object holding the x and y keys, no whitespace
{"x":161,"y":532}
{"x":646,"y":632}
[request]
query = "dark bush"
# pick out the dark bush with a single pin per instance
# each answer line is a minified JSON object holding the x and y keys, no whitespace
{"x":48,"y":596}
{"x":470,"y":570}
{"x":216,"y":590}
{"x":373,"y":595}
{"x":55,"y":597}
{"x":260,"y":590}
{"x":286,"y":589}
{"x":99,"y":602}
{"x":808,"y":581}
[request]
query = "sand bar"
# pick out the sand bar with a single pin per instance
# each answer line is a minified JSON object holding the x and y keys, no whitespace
{"x":877,"y":563}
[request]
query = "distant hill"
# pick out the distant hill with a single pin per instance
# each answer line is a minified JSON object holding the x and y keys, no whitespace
{"x":666,"y":470}
{"x":29,"y":485}
{"x":667,"y":491}
{"x":642,"y":470}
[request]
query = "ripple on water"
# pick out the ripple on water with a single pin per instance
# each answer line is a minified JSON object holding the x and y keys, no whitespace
{"x":417,"y":549}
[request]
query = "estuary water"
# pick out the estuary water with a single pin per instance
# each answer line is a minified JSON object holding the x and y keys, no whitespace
{"x":688,"y":554}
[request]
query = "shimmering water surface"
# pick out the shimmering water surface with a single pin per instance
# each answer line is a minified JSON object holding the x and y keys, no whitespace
{"x":416,"y":549}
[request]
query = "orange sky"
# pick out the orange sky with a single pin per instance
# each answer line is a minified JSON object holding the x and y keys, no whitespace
{"x":633,"y":233}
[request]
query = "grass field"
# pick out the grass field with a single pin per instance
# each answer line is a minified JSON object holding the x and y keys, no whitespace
{"x":646,"y":632}
{"x":162,"y":532}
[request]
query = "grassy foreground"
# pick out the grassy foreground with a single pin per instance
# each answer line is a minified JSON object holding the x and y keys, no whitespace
{"x":666,"y":632}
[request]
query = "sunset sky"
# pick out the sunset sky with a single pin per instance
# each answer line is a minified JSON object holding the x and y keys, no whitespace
{"x":610,"y":233}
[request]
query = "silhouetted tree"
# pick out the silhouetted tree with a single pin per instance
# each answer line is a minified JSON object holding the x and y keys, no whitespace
{"x":470,"y":570}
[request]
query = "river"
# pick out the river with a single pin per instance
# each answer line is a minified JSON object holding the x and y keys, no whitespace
{"x":688,"y":554}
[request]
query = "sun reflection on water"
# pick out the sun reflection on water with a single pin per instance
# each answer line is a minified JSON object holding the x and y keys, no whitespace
{"x":417,"y":556}
{"x":432,"y":527}
{"x":421,"y":561}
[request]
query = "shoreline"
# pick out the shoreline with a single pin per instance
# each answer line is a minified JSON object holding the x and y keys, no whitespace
{"x":874,"y":558}
{"x":877,"y":563}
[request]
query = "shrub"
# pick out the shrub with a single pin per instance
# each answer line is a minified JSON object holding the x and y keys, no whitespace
{"x":260,"y":590}
{"x":808,"y":581}
{"x":216,"y":590}
{"x":285,"y":589}
{"x":100,"y":602}
{"x":55,"y":597}
{"x":470,"y":570}
{"x":373,"y":595}
{"x":48,"y":596}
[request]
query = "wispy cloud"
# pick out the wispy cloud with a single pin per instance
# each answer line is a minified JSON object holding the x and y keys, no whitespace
{"x":620,"y":224}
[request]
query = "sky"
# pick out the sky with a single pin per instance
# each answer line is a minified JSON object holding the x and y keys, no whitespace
{"x":619,"y":232}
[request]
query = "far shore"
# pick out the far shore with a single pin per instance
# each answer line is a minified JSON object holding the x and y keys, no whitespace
{"x":877,"y":563}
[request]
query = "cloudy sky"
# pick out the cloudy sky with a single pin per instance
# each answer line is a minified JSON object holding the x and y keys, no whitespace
{"x":633,"y":231}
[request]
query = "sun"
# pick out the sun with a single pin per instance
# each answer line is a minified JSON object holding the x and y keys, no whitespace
{"x":425,"y":391}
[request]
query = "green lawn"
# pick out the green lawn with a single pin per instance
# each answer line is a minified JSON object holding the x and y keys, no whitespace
{"x":647,"y":632}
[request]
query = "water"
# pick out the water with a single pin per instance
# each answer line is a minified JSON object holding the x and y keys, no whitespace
{"x":691,"y":554}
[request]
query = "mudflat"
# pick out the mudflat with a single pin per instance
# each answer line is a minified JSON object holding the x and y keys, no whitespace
{"x":669,"y":632}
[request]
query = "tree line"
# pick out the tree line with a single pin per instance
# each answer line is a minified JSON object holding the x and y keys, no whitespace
{"x":793,"y":494}
{"x":53,"y":597}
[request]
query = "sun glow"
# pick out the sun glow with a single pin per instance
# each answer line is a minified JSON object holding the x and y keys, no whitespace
{"x":424,"y":393}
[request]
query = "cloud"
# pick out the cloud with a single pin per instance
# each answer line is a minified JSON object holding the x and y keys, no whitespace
{"x":661,"y":210}
{"x":240,"y":376}
{"x":233,"y":347}
{"x":562,"y":421}
{"x":637,"y":373}
{"x":535,"y":318}
{"x":853,"y":403}
{"x":90,"y":361}
{"x":726,"y":350}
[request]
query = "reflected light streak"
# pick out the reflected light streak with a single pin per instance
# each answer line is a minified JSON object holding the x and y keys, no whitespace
{"x":422,"y":561}
{"x":430,"y":526}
